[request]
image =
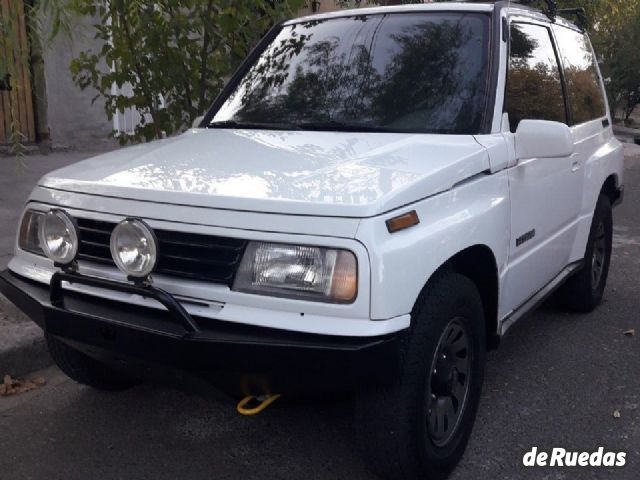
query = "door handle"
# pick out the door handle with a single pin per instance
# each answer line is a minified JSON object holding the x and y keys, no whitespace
{"x":575,"y":166}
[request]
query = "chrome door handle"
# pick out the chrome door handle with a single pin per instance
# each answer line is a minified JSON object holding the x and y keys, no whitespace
{"x":575,"y":166}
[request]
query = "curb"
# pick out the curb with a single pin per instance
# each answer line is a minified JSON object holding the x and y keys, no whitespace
{"x":22,"y":346}
{"x":12,"y":311}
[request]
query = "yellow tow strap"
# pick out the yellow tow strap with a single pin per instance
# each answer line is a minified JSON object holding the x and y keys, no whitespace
{"x":264,"y":402}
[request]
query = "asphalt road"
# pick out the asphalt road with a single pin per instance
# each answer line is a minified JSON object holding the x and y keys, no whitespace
{"x":555,"y":382}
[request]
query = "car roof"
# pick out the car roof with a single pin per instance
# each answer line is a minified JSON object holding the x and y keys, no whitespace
{"x":419,"y":7}
{"x":512,"y":8}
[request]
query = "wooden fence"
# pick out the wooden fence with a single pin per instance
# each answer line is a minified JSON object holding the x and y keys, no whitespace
{"x":16,"y":96}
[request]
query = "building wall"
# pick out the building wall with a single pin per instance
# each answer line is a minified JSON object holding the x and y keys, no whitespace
{"x":73,"y":120}
{"x":331,"y":5}
{"x":325,"y":6}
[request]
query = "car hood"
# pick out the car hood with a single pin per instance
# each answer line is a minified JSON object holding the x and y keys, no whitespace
{"x":304,"y":173}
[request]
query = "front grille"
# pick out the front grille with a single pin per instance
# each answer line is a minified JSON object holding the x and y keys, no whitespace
{"x":186,"y":255}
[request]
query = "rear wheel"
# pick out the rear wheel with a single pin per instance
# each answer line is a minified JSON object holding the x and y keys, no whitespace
{"x":86,"y":370}
{"x":419,"y":427}
{"x":584,"y":291}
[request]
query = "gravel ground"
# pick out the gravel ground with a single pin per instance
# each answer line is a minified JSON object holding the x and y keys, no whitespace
{"x":4,"y":320}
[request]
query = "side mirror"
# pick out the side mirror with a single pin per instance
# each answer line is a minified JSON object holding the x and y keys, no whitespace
{"x":543,"y":139}
{"x":197,"y":121}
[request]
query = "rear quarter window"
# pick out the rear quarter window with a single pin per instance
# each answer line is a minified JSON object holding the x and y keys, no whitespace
{"x":584,"y":90}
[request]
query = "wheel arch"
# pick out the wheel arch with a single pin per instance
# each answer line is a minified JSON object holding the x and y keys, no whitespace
{"x":611,"y":188}
{"x":478,"y":264}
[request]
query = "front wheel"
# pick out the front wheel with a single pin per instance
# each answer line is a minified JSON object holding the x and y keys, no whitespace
{"x":86,"y":370}
{"x":419,"y":427}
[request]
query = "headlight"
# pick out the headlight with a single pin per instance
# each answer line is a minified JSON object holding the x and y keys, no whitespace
{"x":58,"y":237}
{"x":296,"y":271}
{"x":28,"y":239}
{"x":134,"y":248}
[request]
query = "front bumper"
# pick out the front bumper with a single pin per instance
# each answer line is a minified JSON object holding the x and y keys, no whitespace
{"x":240,"y":359}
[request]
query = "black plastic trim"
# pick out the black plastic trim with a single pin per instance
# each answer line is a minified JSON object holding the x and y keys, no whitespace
{"x":540,"y":296}
{"x":126,"y":335}
{"x":496,"y":37}
{"x":177,"y":311}
{"x":239,"y":74}
{"x":212,"y":259}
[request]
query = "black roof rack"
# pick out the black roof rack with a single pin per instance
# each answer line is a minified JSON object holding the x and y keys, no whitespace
{"x":579,"y":12}
{"x":552,"y":11}
{"x":552,"y":7}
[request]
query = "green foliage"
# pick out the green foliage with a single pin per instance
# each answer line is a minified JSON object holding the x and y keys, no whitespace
{"x":350,"y":3}
{"x":622,"y":64}
{"x":181,"y":51}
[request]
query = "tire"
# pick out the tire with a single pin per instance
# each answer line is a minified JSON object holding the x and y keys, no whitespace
{"x":396,"y":425}
{"x":583,"y":292}
{"x":86,"y":370}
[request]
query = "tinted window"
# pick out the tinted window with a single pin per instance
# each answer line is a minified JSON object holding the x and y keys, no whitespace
{"x":534,"y":86}
{"x":586,"y":100}
{"x":402,"y":72}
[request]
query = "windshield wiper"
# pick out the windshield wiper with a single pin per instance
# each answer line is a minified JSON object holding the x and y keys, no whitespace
{"x":252,"y":125}
{"x":337,"y":126}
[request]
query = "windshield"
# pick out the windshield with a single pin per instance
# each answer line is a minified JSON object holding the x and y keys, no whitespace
{"x":424,"y":72}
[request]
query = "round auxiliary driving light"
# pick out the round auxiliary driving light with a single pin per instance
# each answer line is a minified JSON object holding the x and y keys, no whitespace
{"x":58,"y":236}
{"x":134,"y":248}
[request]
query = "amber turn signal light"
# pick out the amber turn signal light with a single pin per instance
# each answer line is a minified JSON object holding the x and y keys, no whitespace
{"x":403,"y":221}
{"x":345,"y":277}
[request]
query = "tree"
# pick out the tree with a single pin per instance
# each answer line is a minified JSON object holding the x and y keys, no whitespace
{"x":624,"y":67}
{"x":176,"y":53}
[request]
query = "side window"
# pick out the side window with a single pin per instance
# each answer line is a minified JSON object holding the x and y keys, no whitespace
{"x":586,"y":100}
{"x":534,"y":86}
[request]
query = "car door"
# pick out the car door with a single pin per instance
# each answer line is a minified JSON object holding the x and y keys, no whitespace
{"x":545,"y":192}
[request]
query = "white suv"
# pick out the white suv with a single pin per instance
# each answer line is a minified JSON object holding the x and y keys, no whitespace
{"x":369,"y":205}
